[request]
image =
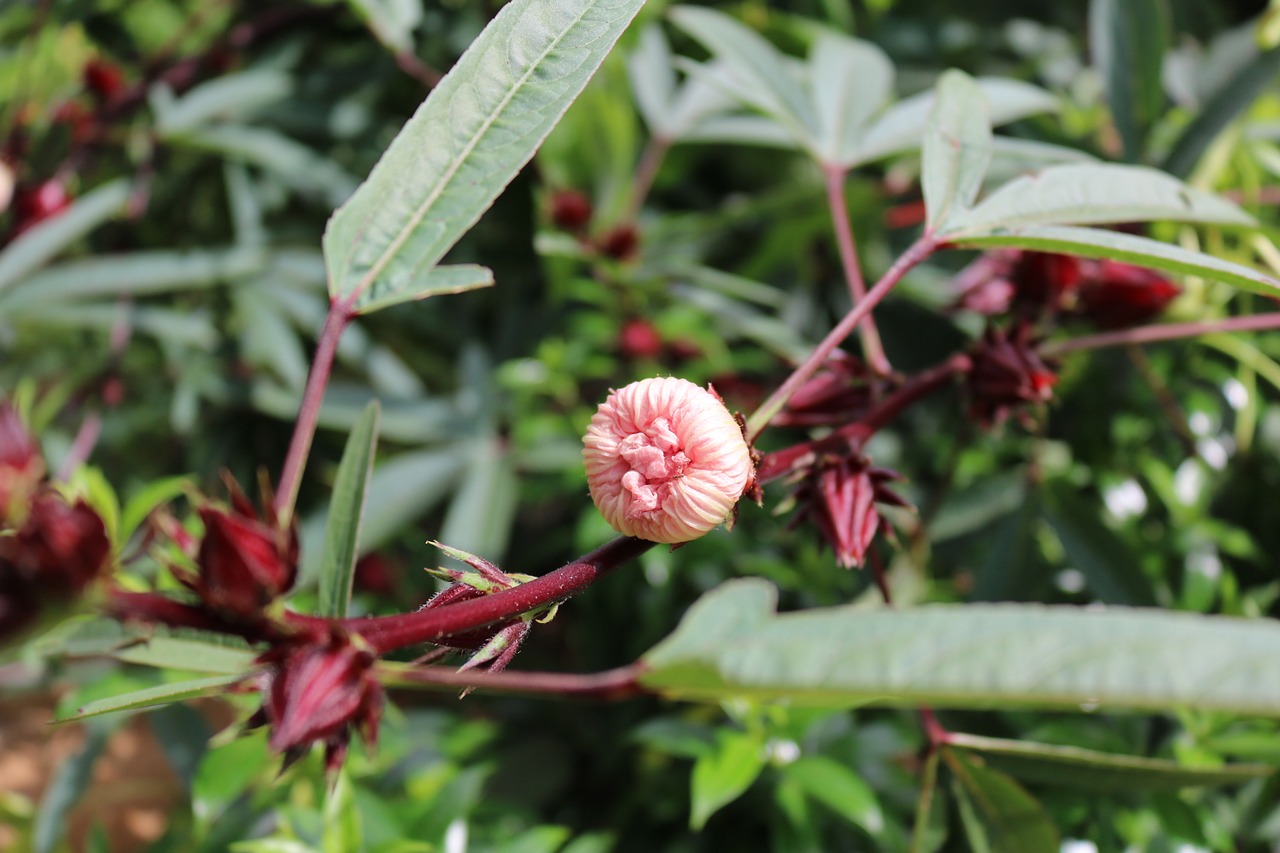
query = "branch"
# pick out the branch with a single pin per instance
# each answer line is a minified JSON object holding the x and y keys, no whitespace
{"x":611,"y":685}
{"x":872,"y":348}
{"x":386,"y":633}
{"x":1163,"y":332}
{"x":919,"y":250}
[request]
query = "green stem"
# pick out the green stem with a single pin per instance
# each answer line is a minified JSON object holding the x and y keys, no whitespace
{"x":760,"y":419}
{"x":928,"y":783}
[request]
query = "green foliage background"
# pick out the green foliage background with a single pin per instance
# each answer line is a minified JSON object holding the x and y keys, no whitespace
{"x":1146,"y":482}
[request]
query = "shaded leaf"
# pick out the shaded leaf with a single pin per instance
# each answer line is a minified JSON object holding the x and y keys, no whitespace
{"x":722,"y":775}
{"x":45,"y":239}
{"x":850,"y":81}
{"x":1128,"y":39}
{"x":228,"y":96}
{"x":998,"y":814}
{"x":184,"y":737}
{"x":839,"y":788}
{"x":1100,"y":772}
{"x":67,"y":785}
{"x":1229,"y":101}
{"x":346,"y":512}
{"x":391,"y":21}
{"x":1107,"y":562}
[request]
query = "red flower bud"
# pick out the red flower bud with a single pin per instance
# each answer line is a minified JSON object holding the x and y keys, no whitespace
{"x":621,"y":243}
{"x":1043,"y":279}
{"x":318,"y":690}
{"x":1007,"y":372}
{"x":570,"y":210}
{"x":58,"y":551}
{"x":841,"y":496}
{"x":32,"y":205}
{"x":244,"y":563}
{"x":639,"y":339}
{"x":1117,"y":295}
{"x":103,"y":79}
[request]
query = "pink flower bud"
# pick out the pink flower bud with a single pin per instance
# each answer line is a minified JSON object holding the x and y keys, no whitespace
{"x":665,"y":460}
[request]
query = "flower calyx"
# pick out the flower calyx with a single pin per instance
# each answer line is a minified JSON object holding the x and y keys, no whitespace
{"x":840,"y":494}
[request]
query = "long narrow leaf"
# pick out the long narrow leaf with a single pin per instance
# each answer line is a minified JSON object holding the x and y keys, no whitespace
{"x":346,"y":511}
{"x":467,"y":141}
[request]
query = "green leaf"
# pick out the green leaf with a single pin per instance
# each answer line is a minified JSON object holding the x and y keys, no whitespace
{"x":346,"y":511}
{"x":481,"y":513}
{"x":136,"y":274}
{"x":998,"y":815}
{"x":341,"y":817}
{"x":150,"y":697}
{"x":956,"y":149}
{"x":1099,"y":772}
{"x":850,"y":81}
{"x":839,"y":788}
{"x":227,"y":96}
{"x":184,"y":654}
{"x":475,"y":130}
{"x":455,"y":278}
{"x":184,"y":736}
{"x":1229,"y":101}
{"x":901,"y":126}
{"x":732,"y":644}
{"x":46,"y":239}
{"x":70,"y":780}
{"x":1096,"y":243}
{"x":1108,"y":563}
{"x":722,"y":775}
{"x":653,"y":79}
{"x":403,"y":488}
{"x":1128,"y":39}
{"x":759,"y":72}
{"x":145,"y":500}
{"x":1090,"y":194}
{"x":392,"y":22}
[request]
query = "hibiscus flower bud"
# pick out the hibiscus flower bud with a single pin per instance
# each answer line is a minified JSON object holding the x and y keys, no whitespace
{"x":639,"y":339}
{"x":621,"y":243}
{"x":570,"y":210}
{"x":840,"y":496}
{"x":1007,"y":372}
{"x":665,"y":460}
{"x":1118,"y":295}
{"x":103,"y":79}
{"x":1043,"y":279}
{"x":318,"y":690}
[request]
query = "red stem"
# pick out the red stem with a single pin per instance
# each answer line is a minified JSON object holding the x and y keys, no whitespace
{"x":646,"y":171}
{"x":340,"y":313}
{"x":872,"y":348}
{"x":386,"y":633}
{"x":1164,"y":332}
{"x":611,"y":685}
{"x":781,"y":462}
{"x":918,"y":251}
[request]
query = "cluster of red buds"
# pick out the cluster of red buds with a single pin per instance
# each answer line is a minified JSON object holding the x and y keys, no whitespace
{"x":1007,"y":375}
{"x":52,"y":549}
{"x":839,"y":392}
{"x":1041,"y":285}
{"x":572,"y":211}
{"x":839,"y":493}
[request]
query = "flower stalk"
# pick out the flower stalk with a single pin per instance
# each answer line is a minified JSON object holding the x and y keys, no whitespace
{"x":872,"y":348}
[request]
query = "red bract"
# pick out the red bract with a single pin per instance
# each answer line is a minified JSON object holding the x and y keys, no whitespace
{"x":836,"y":394}
{"x":318,"y":690}
{"x":1007,"y":373}
{"x":570,"y":210}
{"x":244,"y":562}
{"x":33,"y":205}
{"x":21,"y":465}
{"x":639,"y":339}
{"x":1117,"y":295}
{"x":841,"y":496}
